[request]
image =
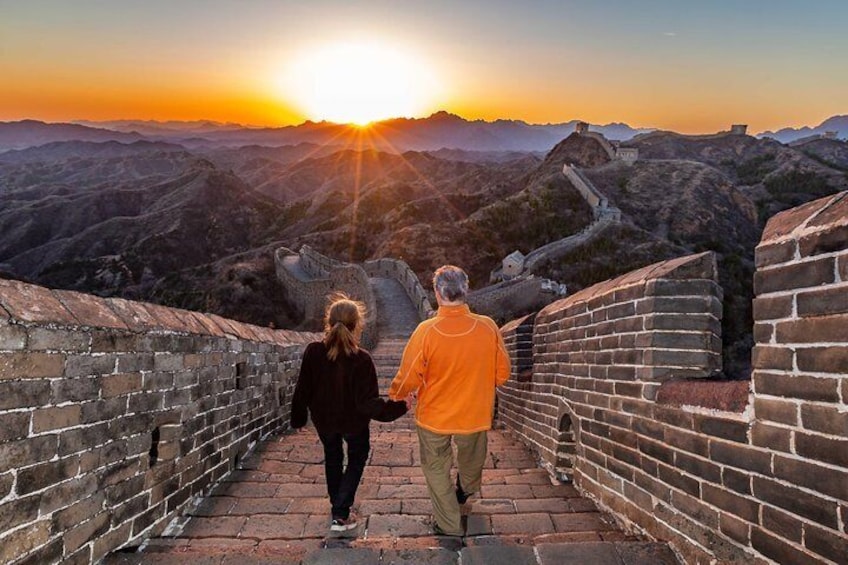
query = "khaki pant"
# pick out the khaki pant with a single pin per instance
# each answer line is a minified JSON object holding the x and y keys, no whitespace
{"x":436,"y":461}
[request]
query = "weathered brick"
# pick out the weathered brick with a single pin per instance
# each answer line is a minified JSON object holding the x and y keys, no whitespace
{"x":737,"y":481}
{"x":740,"y":456}
{"x":843,"y":267}
{"x":110,"y":541}
{"x":102,"y":410}
{"x":690,"y":322}
{"x":779,"y":411}
{"x":37,"y":477}
{"x":775,"y":253}
{"x":168,"y":362}
{"x":13,"y":513}
{"x":668,"y":287}
{"x":808,"y":474}
{"x":78,"y":512}
{"x":835,"y":238}
{"x":79,"y":439}
{"x":784,"y":525}
{"x":24,"y":394}
{"x":772,"y":357}
{"x":771,"y":437}
{"x":798,"y":275}
{"x":27,"y":365}
{"x":763,"y":333}
{"x":120,"y":384}
{"x":822,"y":302}
{"x":732,"y":430}
{"x":81,"y":534}
{"x":738,"y":505}
{"x":779,"y":550}
{"x":74,"y":390}
{"x":24,"y":540}
{"x":804,"y":387}
{"x":14,"y":426}
{"x":796,"y":501}
{"x":680,"y":340}
{"x":825,"y":419}
{"x":134,"y":362}
{"x":12,"y":337}
{"x":698,"y":467}
{"x":678,"y":480}
{"x":826,"y":543}
{"x":823,"y":359}
{"x":50,"y":339}
{"x":679,"y":305}
{"x":734,"y":528}
{"x":824,"y":329}
{"x":772,"y":307}
{"x":693,"y":443}
{"x":17,"y":454}
{"x":822,"y":448}
{"x":88,"y":365}
{"x":55,"y":418}
{"x":50,"y":553}
{"x":702,"y":360}
{"x":68,"y":492}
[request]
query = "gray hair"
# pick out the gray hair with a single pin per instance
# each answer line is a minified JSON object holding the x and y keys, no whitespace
{"x":451,"y":283}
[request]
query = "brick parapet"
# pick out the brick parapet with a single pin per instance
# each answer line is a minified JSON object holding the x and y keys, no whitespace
{"x":116,"y":414}
{"x":326,"y":276}
{"x":400,"y":271}
{"x":751,"y":472}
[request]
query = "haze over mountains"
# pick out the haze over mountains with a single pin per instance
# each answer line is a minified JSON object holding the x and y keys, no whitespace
{"x":190,"y":217}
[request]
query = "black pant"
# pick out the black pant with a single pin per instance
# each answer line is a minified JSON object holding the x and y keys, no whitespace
{"x":342,"y":484}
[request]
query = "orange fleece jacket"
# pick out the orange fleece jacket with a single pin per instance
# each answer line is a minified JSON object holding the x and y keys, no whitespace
{"x":454,"y":360}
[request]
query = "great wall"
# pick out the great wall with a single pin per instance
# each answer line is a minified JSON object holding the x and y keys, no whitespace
{"x":135,"y":433}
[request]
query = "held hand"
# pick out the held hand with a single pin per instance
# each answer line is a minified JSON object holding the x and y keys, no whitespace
{"x":409,"y":399}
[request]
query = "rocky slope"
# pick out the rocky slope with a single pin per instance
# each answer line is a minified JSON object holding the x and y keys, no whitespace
{"x":197,"y":227}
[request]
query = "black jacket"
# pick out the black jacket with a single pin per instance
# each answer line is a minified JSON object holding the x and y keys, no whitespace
{"x":341,"y":395}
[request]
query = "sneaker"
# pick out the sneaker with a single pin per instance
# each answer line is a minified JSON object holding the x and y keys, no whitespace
{"x":343,"y":524}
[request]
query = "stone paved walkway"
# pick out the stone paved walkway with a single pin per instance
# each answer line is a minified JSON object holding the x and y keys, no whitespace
{"x":275,"y":510}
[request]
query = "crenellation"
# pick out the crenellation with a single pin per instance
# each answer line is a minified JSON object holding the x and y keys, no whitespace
{"x":746,"y":470}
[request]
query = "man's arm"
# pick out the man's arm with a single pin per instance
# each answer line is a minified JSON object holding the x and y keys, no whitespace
{"x":366,"y":394}
{"x":502,"y":361}
{"x":410,"y":375}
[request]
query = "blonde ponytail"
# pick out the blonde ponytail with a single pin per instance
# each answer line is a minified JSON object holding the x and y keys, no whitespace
{"x":342,"y":326}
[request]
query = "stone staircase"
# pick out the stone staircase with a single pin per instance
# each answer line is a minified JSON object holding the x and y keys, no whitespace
{"x":274,"y":510}
{"x":397,"y":318}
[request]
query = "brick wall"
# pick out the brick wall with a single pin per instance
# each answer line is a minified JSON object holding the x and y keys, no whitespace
{"x":114,"y":415}
{"x":400,"y":271}
{"x":311,"y":295}
{"x":736,"y":472}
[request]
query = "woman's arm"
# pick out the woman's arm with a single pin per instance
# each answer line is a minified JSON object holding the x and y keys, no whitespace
{"x":367,"y":396}
{"x":303,"y":390}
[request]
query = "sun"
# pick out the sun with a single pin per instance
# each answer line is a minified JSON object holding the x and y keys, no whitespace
{"x":360,"y":82}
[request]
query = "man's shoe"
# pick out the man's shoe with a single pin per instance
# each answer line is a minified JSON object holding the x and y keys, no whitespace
{"x":440,"y":532}
{"x":344,"y":524}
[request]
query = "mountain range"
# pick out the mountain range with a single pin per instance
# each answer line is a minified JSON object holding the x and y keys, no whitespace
{"x":195,"y":224}
{"x":441,"y":130}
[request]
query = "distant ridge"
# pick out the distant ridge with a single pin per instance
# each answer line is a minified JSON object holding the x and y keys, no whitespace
{"x":30,"y":133}
{"x":441,"y":130}
{"x":839,"y":124}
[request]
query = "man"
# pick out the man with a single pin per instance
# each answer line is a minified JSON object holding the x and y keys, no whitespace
{"x":454,"y":361}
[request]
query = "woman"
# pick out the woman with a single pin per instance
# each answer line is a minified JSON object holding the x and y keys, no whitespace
{"x":338,"y":385}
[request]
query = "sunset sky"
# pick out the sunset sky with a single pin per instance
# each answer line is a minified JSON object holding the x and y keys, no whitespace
{"x":687,"y":66}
